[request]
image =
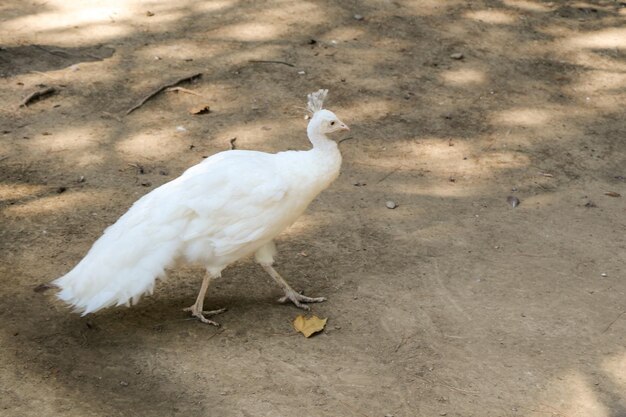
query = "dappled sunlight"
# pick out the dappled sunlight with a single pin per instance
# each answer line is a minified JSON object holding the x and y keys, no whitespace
{"x":261,"y":134}
{"x":453,"y":107}
{"x":461,"y":158}
{"x":93,"y":32}
{"x":572,"y":395}
{"x":66,"y":139}
{"x":15,"y":191}
{"x":159,"y":144}
{"x":66,"y":16}
{"x":442,"y":188}
{"x":530,"y":6}
{"x":289,"y":11}
{"x":344,"y":34}
{"x":71,"y":20}
{"x":429,"y":7}
{"x":523,"y":117}
{"x":213,"y":6}
{"x":465,"y":76}
{"x":540,"y":201}
{"x":366,"y":110}
{"x":178,"y":50}
{"x":610,"y":38}
{"x":615,"y":365}
{"x":499,"y":17}
{"x":66,"y":202}
{"x":247,"y":32}
{"x":503,"y":160}
{"x":442,"y":161}
{"x":601,"y":81}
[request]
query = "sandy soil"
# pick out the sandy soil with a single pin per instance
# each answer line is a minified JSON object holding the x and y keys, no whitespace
{"x":454,"y":303}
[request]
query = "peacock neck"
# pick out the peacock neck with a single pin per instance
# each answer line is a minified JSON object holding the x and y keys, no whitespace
{"x":319,"y":140}
{"x":327,"y":157}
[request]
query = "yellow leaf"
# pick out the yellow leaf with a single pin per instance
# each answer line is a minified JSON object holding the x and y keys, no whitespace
{"x":309,"y":325}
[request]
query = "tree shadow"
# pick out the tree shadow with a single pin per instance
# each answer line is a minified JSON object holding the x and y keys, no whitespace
{"x":42,"y":58}
{"x":448,"y":139}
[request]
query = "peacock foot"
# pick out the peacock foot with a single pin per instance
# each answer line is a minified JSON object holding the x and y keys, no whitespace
{"x":298,"y":299}
{"x":201,"y":314}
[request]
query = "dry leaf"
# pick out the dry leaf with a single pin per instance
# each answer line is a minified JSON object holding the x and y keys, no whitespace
{"x":612,"y":194}
{"x":309,"y":325}
{"x":202,"y":109}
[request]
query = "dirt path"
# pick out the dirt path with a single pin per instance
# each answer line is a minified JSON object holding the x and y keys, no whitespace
{"x":454,"y":303}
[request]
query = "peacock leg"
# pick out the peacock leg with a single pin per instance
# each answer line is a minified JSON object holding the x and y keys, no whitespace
{"x":196,"y":308}
{"x":290,"y":294}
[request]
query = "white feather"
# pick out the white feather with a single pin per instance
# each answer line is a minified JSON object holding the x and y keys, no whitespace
{"x":215,"y":213}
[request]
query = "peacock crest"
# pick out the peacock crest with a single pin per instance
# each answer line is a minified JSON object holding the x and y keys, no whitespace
{"x":316,"y":100}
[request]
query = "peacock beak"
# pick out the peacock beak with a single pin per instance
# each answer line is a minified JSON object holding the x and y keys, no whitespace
{"x":344,"y":126}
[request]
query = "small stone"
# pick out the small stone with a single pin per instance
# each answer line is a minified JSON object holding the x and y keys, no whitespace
{"x":391,"y":204}
{"x":124,"y":383}
{"x":443,"y":413}
{"x":358,"y":17}
{"x":61,"y":190}
{"x":81,"y":178}
{"x":149,"y":13}
{"x":456,"y":55}
{"x":146,"y":183}
{"x":513,"y":201}
{"x":180,"y":129}
{"x":301,"y":72}
{"x":604,"y":275}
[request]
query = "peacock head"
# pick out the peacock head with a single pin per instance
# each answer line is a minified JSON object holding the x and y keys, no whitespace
{"x":323,"y":121}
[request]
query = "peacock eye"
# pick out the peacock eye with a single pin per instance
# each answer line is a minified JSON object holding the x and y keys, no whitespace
{"x":332,"y":123}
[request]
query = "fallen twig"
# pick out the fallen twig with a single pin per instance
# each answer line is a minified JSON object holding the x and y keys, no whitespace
{"x":260,"y":61}
{"x":613,"y":322}
{"x":161,"y":88}
{"x":183,"y":90}
{"x":44,"y":74}
{"x":388,"y":175}
{"x":56,"y":52}
{"x":36,"y":95}
{"x":450,"y":387}
{"x":2,"y":158}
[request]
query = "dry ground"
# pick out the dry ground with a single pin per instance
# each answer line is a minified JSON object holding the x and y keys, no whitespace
{"x":452,"y":304}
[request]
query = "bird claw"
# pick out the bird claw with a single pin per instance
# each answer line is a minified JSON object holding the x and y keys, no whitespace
{"x":298,"y":300}
{"x":200,"y":315}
